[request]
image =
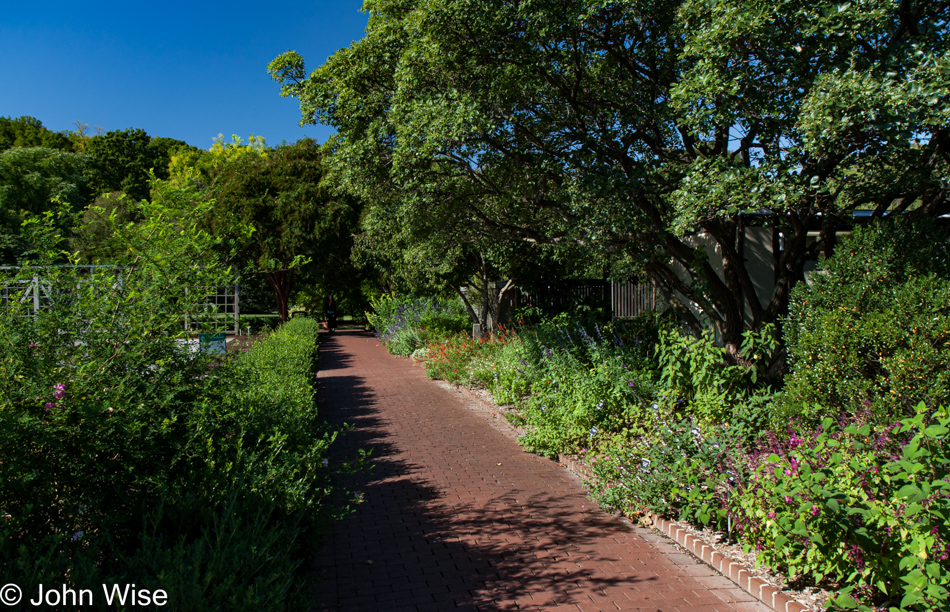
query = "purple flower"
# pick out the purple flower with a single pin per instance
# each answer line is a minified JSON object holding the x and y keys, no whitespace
{"x":33,"y":345}
{"x":326,"y":463}
{"x":59,"y":391}
{"x":78,"y":536}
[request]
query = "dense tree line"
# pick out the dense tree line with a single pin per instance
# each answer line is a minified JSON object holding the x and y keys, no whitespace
{"x":268,"y":207}
{"x":39,"y":166}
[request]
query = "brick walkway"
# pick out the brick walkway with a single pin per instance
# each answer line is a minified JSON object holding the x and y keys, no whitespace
{"x":458,"y":516}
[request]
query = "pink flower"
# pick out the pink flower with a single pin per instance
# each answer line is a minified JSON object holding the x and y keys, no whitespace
{"x":814,"y":511}
{"x":59,"y":391}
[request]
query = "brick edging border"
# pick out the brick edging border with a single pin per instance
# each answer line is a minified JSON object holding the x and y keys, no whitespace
{"x":727,"y":566}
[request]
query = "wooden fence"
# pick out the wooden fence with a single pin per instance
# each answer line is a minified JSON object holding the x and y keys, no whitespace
{"x":625,"y":299}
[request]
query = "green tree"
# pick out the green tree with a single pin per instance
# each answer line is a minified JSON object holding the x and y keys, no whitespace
{"x":431,"y":249}
{"x":31,"y":178}
{"x":640,"y":129}
{"x":30,"y":132}
{"x":295,"y":223}
{"x":120,"y":160}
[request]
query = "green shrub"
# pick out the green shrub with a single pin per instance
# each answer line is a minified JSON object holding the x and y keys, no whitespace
{"x":585,"y":384}
{"x":672,"y":468}
{"x":515,"y":369}
{"x":697,"y":379}
{"x":406,"y":341}
{"x":405,"y":324}
{"x":872,"y":331}
{"x":573,"y":404}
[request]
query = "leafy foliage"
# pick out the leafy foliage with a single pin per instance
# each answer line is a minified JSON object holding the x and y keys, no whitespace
{"x":696,"y":372}
{"x":122,"y":160}
{"x":30,"y":132}
{"x":873,"y":328}
{"x":672,"y":468}
{"x":30,"y":179}
{"x":864,"y":507}
{"x":629,"y":127}
{"x":127,"y":456}
{"x":295,"y":221}
{"x":404,"y":324}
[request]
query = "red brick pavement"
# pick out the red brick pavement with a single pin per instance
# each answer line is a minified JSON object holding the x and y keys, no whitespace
{"x":458,"y":516}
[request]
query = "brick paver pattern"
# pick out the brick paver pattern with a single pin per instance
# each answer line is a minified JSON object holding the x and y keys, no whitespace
{"x":457,"y":515}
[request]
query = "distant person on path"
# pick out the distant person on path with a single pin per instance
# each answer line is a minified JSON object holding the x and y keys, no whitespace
{"x":331,"y":314}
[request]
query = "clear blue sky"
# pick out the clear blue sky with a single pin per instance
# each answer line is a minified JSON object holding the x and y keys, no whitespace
{"x":186,"y":70}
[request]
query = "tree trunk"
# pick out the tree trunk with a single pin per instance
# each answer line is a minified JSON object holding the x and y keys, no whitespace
{"x":281,"y":283}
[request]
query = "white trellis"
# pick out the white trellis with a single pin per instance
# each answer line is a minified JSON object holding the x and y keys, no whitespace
{"x":220,"y":310}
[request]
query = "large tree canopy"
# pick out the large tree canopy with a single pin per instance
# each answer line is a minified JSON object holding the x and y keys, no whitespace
{"x":628,"y":127}
{"x":280,"y":197}
{"x":121,"y":160}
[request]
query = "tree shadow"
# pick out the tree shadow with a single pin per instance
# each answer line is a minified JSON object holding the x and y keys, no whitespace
{"x":332,"y":354}
{"x":413,"y":544}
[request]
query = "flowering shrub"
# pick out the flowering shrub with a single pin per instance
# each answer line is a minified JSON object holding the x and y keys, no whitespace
{"x":405,"y":324}
{"x":514,"y":369}
{"x":462,"y":360}
{"x":859,"y":506}
{"x":569,"y":384}
{"x":671,"y":468}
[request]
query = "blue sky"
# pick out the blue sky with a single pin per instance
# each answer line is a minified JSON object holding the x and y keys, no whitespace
{"x":186,"y":70}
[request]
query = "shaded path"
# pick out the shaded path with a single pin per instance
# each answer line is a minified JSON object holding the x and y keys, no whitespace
{"x":458,"y":516}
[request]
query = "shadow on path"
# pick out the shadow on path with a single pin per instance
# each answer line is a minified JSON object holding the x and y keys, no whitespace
{"x":458,"y":516}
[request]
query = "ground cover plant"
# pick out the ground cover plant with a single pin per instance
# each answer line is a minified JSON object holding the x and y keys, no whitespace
{"x":128,"y":457}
